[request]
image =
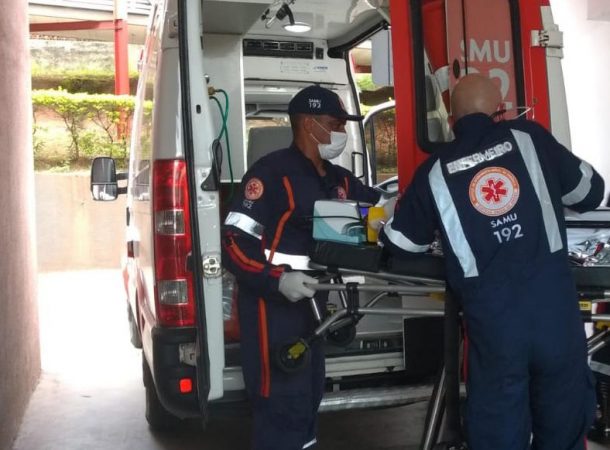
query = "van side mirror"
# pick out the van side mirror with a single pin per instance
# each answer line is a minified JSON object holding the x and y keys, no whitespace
{"x":104,"y":186}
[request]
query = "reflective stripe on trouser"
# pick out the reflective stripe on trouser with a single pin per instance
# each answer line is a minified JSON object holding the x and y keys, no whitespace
{"x":285,"y":413}
{"x":527,"y":364}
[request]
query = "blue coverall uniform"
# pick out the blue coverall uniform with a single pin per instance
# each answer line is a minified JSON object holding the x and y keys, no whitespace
{"x":268,"y":228}
{"x":497,"y":195}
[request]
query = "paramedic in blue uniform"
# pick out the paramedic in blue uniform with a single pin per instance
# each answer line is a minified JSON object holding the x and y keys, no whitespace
{"x":268,"y":233}
{"x":497,"y":195}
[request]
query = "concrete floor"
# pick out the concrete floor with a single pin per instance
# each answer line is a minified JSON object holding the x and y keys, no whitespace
{"x":91,"y":397}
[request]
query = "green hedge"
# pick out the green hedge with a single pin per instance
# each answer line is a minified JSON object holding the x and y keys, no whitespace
{"x":90,"y":81}
{"x":95,"y":124}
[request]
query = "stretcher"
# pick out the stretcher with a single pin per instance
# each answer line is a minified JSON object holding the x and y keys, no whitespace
{"x":421,"y":276}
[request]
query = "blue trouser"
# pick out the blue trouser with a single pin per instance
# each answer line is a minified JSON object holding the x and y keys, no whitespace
{"x":284,"y":405}
{"x":528,"y":376}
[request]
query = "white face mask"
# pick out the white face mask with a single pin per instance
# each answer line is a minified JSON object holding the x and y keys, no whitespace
{"x":336,"y":146}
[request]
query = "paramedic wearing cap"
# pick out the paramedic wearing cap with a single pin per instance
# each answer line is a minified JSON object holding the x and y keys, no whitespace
{"x":497,"y":195}
{"x":268,"y":233}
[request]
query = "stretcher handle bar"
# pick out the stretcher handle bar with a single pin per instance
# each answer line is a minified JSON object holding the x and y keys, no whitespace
{"x":402,"y":312}
{"x":372,"y":302}
{"x":379,"y":288}
{"x":340,"y":323}
{"x":436,"y":411}
{"x":598,"y":337}
{"x":601,"y":344}
{"x":600,"y":317}
{"x":386,"y":276}
{"x":337,"y":315}
{"x":326,"y":324}
{"x":589,"y":292}
{"x":315,"y":309}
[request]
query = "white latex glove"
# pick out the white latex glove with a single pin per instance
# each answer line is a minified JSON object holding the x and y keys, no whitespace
{"x":292,"y":285}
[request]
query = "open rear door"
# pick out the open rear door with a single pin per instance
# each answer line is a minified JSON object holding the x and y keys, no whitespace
{"x":480,"y":40}
{"x":441,"y":41}
{"x":205,"y":218}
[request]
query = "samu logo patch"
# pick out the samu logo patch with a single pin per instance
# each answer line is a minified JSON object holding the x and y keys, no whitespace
{"x":254,"y":189}
{"x":494,"y":191}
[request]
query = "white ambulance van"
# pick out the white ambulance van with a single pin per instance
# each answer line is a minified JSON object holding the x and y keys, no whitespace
{"x":216,"y":77}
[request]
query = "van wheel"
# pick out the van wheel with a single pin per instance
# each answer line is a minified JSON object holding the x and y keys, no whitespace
{"x":134,"y":330}
{"x":158,"y":418}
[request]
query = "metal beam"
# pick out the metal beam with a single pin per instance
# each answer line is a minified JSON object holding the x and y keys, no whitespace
{"x":71,"y":26}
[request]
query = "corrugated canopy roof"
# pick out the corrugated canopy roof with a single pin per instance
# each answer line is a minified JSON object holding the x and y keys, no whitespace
{"x":133,"y":6}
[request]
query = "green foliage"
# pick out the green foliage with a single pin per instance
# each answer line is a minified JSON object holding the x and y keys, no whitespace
{"x":92,"y":122}
{"x":91,"y":81}
{"x":365,"y":82}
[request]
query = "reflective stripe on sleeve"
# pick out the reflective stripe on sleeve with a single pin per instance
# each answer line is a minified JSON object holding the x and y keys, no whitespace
{"x":532,"y":163}
{"x":579,"y":193}
{"x":297,"y":262}
{"x":311,"y":443}
{"x":245,"y":224}
{"x":400,"y":240}
{"x":451,"y":221}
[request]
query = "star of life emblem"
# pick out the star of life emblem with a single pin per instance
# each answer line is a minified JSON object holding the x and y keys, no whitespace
{"x":254,"y":189}
{"x":494,"y":191}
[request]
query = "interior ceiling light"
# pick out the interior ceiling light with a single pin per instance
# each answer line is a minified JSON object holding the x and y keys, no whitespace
{"x":297,"y":27}
{"x":283,"y":12}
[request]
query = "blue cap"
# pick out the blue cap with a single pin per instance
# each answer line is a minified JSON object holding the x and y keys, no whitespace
{"x":317,"y":100}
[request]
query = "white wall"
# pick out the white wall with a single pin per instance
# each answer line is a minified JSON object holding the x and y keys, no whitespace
{"x":74,"y":232}
{"x":586,"y":65}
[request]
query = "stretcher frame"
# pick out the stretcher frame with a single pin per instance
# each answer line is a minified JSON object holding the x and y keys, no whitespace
{"x":351,"y":312}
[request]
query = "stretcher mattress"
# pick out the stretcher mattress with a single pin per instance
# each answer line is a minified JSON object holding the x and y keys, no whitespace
{"x":588,"y":247}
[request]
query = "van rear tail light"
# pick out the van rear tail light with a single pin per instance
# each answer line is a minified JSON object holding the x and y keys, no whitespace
{"x":170,"y":222}
{"x":174,"y":294}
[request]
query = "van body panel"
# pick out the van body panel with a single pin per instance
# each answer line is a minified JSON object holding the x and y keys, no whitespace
{"x":207,"y":204}
{"x":177,"y":119}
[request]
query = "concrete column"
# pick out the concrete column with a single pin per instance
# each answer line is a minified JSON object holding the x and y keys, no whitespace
{"x":19,"y":344}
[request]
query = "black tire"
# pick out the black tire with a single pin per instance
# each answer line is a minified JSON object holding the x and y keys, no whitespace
{"x":134,"y":331}
{"x":158,"y":418}
{"x":293,"y":356}
{"x":343,"y":336}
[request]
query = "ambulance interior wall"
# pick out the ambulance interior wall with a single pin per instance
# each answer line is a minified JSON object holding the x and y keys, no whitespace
{"x":223,"y":64}
{"x":19,"y":345}
{"x":586,"y":64}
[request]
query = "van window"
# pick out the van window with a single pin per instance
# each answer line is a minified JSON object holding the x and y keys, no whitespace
{"x":459,"y":38}
{"x":143,"y":124}
{"x":380,"y":138}
{"x":372,"y":63}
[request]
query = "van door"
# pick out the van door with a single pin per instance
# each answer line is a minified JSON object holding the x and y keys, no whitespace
{"x":441,"y":40}
{"x":198,"y":139}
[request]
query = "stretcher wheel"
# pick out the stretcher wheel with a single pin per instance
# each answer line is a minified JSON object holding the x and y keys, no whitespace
{"x":343,"y":336}
{"x":293,"y":356}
